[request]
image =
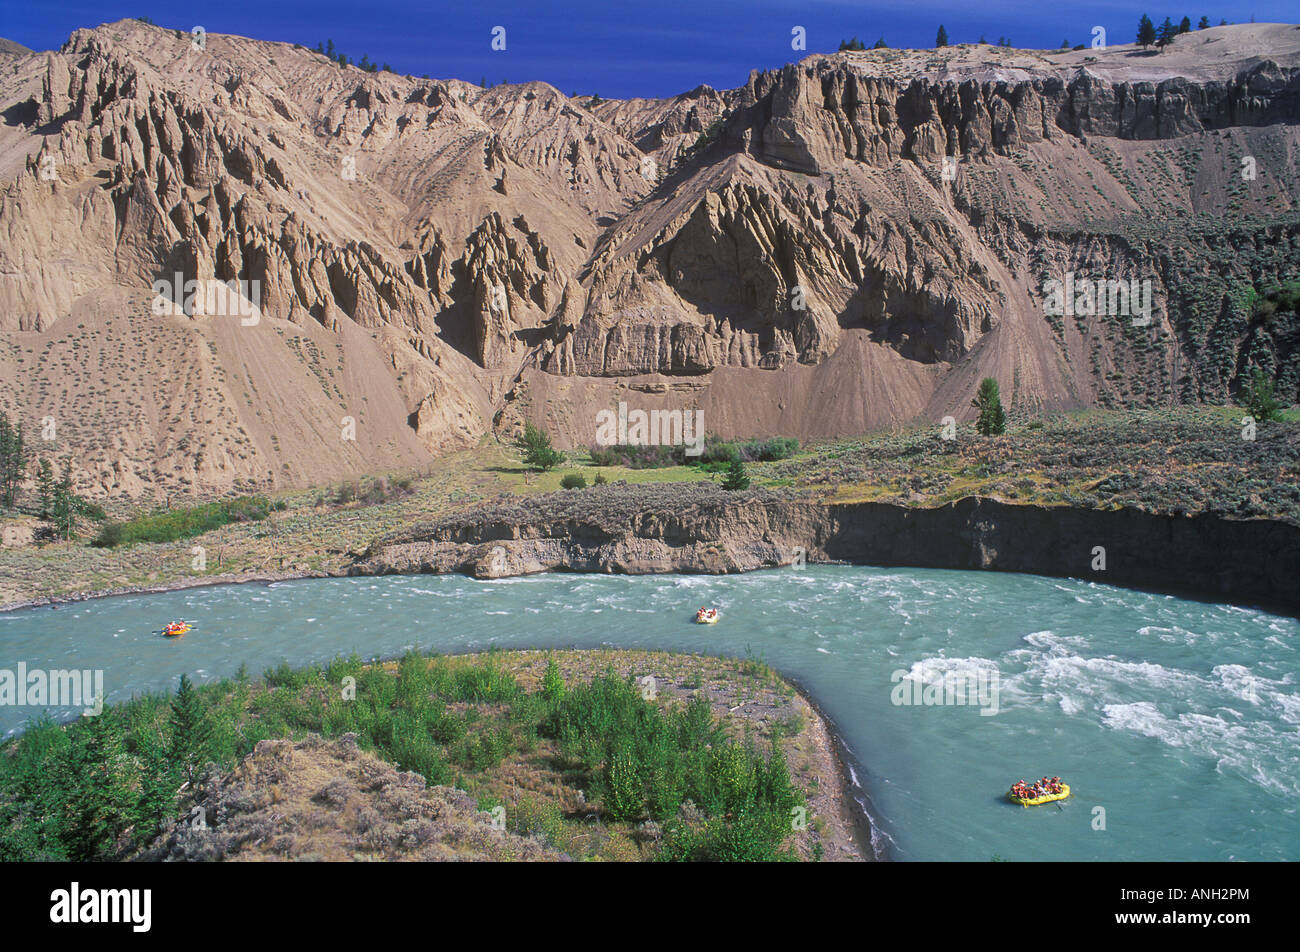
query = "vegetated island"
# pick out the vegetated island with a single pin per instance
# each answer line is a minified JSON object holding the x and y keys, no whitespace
{"x":519,"y":755}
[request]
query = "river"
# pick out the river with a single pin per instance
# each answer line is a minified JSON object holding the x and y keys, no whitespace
{"x":1176,"y":722}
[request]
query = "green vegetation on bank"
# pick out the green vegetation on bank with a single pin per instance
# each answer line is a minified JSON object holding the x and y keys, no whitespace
{"x":170,"y":525}
{"x":103,"y":787}
{"x":56,"y":500}
{"x":371,"y":491}
{"x":1177,"y":460}
{"x":716,"y":454}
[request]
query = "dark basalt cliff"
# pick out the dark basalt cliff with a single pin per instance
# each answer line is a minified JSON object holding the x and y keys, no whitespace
{"x":645,"y":529}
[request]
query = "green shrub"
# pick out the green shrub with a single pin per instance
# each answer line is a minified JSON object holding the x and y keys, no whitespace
{"x":1259,"y":398}
{"x":624,"y":788}
{"x":736,"y":477}
{"x":573,"y":481}
{"x":171,"y":525}
{"x":552,"y":683}
{"x":992,"y":419}
{"x":537,"y":450}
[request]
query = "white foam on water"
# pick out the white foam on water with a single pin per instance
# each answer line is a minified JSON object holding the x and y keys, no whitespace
{"x":1167,"y":635}
{"x":1249,"y":749}
{"x":1288,"y":705}
{"x":1069,"y":705}
{"x":937,"y":666}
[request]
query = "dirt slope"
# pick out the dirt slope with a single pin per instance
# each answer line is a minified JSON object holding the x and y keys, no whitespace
{"x":437,"y":261}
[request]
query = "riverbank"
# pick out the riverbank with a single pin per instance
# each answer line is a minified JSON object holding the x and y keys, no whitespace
{"x":652,"y":529}
{"x":698,"y":529}
{"x":615,"y":755}
{"x":1173,"y":500}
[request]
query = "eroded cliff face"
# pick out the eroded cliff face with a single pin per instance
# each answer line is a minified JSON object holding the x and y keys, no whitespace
{"x":846,"y":219}
{"x":138,"y":159}
{"x":652,"y":529}
{"x":791,"y":257}
{"x":811,"y":117}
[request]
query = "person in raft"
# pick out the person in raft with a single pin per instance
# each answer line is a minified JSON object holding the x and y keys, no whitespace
{"x":1038,"y":788}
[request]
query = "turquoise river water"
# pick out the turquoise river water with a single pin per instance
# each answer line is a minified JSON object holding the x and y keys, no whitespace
{"x":1176,"y":723}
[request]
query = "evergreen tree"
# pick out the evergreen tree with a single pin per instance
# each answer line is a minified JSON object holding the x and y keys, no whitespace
{"x":95,"y":807}
{"x":992,"y":420}
{"x":1165,"y":35}
{"x":881,"y":44}
{"x":155,"y":801}
{"x":45,"y":488}
{"x":736,"y":477}
{"x":191,"y":731}
{"x":1146,"y":32}
{"x":1185,"y":26}
{"x":1260,"y":402}
{"x":6,"y":451}
{"x":941,"y":39}
{"x":1204,"y":24}
{"x":537,"y":449}
{"x":64,"y":509}
{"x":13,"y":461}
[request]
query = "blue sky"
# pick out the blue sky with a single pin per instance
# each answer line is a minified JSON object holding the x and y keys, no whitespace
{"x":616,"y":48}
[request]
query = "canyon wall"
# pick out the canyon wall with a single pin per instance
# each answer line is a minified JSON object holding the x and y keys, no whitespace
{"x":649,"y":529}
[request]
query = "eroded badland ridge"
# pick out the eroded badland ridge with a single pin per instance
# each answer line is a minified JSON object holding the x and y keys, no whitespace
{"x":436,"y":261}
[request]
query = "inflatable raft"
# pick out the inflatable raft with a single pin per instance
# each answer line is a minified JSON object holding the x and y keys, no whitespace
{"x":176,"y":628}
{"x":1039,"y":801}
{"x":706,"y":616}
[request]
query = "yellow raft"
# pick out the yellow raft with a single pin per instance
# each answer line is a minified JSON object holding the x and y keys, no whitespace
{"x":177,"y":628}
{"x":1039,"y":801}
